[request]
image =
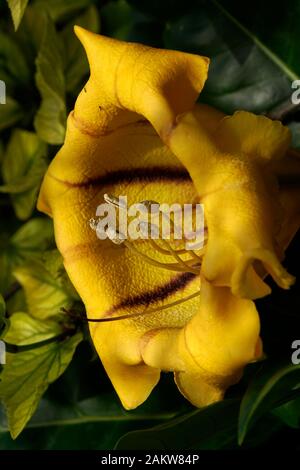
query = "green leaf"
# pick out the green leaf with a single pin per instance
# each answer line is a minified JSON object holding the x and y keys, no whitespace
{"x":263,"y":47}
{"x":289,"y":413}
{"x":68,"y":435}
{"x":119,"y":18}
{"x":22,"y":163}
{"x":17,"y":8}
{"x":215,"y":425}
{"x":61,"y":10}
{"x":23,"y":167}
{"x":3,"y":322}
{"x":241,"y":74}
{"x":29,"y":37}
{"x":103,"y":408}
{"x":26,"y":243}
{"x":276,"y":27}
{"x":45,"y":286}
{"x":33,"y":237}
{"x":76,"y":64}
{"x":50,"y":120}
{"x":10,"y":113}
{"x":25,"y":330}
{"x":273,"y":385}
{"x":27,"y":375}
{"x":83,"y":403}
{"x":96,"y":423}
{"x":13,"y":67}
{"x":126,"y":23}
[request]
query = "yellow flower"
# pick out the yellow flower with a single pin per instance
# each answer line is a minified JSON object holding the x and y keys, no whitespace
{"x":136,"y":131}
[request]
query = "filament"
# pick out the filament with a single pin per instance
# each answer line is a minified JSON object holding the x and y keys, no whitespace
{"x":169,"y":266}
{"x":190,"y":265}
{"x":177,"y":257}
{"x":181,"y":251}
{"x":146,"y":312}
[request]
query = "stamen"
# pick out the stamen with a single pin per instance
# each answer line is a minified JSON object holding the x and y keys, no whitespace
{"x":144,"y":228}
{"x":114,"y":201}
{"x":116,"y":237}
{"x":190,"y":265}
{"x":152,"y":206}
{"x":169,"y":266}
{"x":195,"y":256}
{"x":146,"y":312}
{"x":181,"y":251}
{"x":163,"y":251}
{"x":183,"y":263}
{"x":93,"y":224}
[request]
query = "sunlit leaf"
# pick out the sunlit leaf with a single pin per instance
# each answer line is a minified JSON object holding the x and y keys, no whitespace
{"x":17,"y":8}
{"x":23,"y":167}
{"x":27,"y":375}
{"x":45,"y":286}
{"x":33,"y":237}
{"x":83,"y":403}
{"x":26,"y":243}
{"x":26,"y":330}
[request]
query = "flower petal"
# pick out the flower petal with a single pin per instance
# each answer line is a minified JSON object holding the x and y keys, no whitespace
{"x":210,"y":352}
{"x":256,"y":136}
{"x":240,"y":208}
{"x":111,"y":147}
{"x":155,"y":83}
{"x":118,"y":348}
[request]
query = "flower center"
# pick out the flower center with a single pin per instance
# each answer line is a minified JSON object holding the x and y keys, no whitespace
{"x":180,"y":259}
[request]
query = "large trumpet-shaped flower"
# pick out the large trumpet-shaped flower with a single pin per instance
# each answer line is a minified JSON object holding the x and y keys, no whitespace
{"x":136,"y":131}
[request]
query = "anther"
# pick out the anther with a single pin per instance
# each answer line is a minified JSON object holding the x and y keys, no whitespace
{"x":93,"y":224}
{"x":152,"y":206}
{"x":116,"y":237}
{"x":114,"y":201}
